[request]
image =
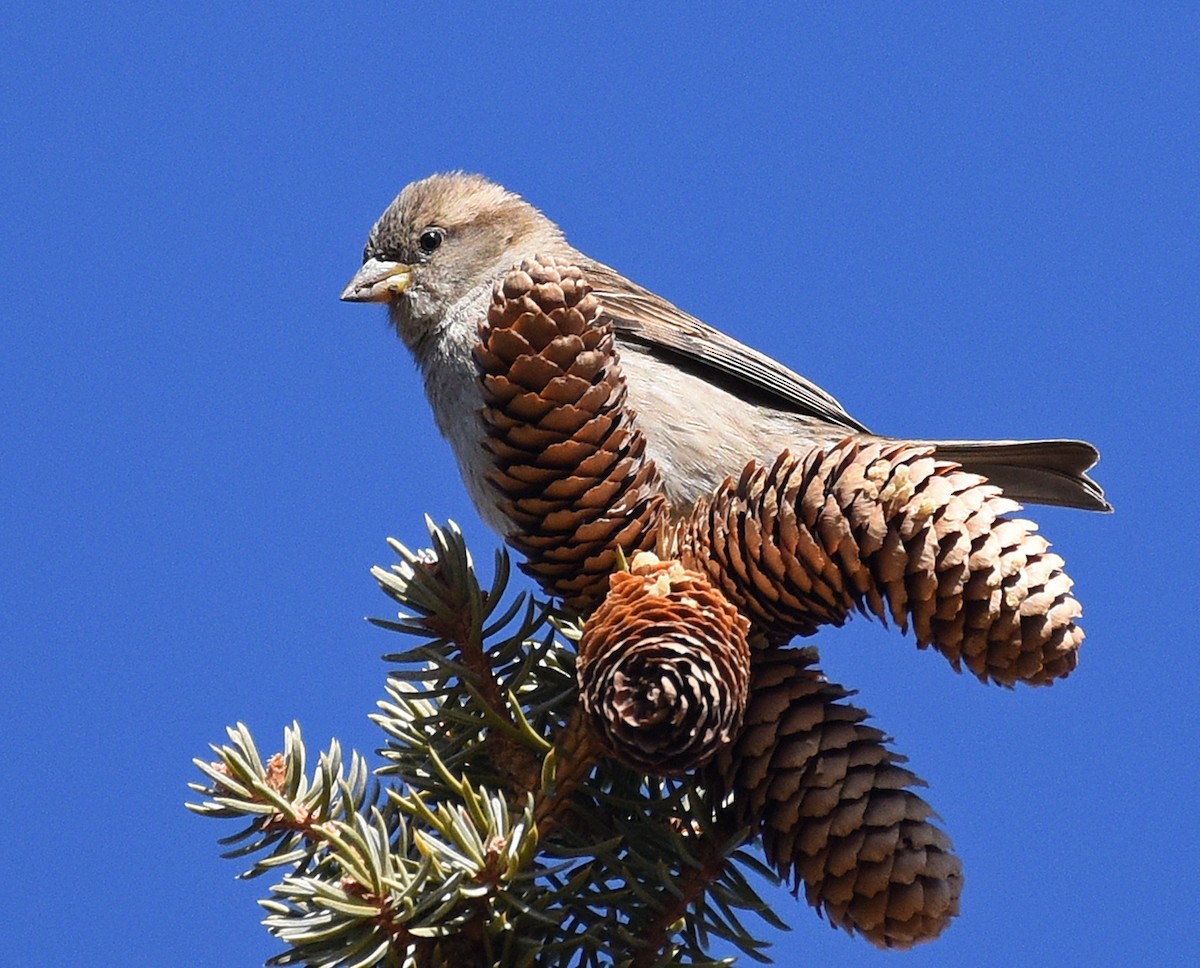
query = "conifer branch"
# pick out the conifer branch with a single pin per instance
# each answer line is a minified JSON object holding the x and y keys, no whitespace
{"x":707,"y":862}
{"x":564,"y":769}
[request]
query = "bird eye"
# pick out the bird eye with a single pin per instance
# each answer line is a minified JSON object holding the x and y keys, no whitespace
{"x":430,"y":239}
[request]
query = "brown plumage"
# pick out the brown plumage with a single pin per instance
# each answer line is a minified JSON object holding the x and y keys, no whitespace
{"x":706,"y":403}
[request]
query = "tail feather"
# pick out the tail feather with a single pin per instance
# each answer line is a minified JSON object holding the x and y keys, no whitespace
{"x":1036,"y":471}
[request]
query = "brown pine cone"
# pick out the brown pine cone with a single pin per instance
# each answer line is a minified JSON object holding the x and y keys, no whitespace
{"x":663,"y":668}
{"x":569,"y":459}
{"x":869,"y":522}
{"x":834,"y":808}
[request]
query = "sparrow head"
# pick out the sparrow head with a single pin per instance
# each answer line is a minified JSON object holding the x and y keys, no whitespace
{"x":442,"y":240}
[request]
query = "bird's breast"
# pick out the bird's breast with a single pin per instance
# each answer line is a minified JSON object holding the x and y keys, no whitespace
{"x":452,"y":388}
{"x":698,"y":433}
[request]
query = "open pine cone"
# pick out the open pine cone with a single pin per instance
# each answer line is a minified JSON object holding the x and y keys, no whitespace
{"x":834,"y":807}
{"x":885,"y":528}
{"x":664,"y":668}
{"x":569,"y":460}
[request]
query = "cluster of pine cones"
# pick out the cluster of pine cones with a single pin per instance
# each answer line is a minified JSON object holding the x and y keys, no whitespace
{"x":684,"y":663}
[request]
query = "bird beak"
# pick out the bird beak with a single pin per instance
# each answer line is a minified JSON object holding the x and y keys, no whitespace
{"x":378,"y":281}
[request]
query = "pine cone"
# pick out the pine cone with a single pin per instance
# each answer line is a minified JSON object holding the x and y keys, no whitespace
{"x":806,"y":541}
{"x":664,"y":667}
{"x":834,"y":809}
{"x":569,"y":459}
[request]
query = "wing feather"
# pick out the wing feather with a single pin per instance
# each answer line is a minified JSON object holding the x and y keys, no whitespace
{"x":644,"y":317}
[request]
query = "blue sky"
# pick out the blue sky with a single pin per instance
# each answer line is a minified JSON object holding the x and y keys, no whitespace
{"x":961,"y":220}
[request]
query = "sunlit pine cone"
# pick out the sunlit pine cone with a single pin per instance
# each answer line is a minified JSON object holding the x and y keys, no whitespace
{"x":834,"y":808}
{"x":885,"y":528}
{"x":663,"y":668}
{"x":569,"y":459}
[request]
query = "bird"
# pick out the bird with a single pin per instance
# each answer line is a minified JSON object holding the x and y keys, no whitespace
{"x":706,"y":403}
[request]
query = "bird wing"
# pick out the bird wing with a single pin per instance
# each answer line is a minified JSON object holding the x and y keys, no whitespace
{"x":643,"y":317}
{"x":1038,"y":471}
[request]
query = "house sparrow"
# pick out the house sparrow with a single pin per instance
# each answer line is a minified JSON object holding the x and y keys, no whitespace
{"x":705,"y":403}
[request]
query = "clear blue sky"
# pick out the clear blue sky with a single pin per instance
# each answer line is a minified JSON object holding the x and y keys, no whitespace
{"x":962,"y":221}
